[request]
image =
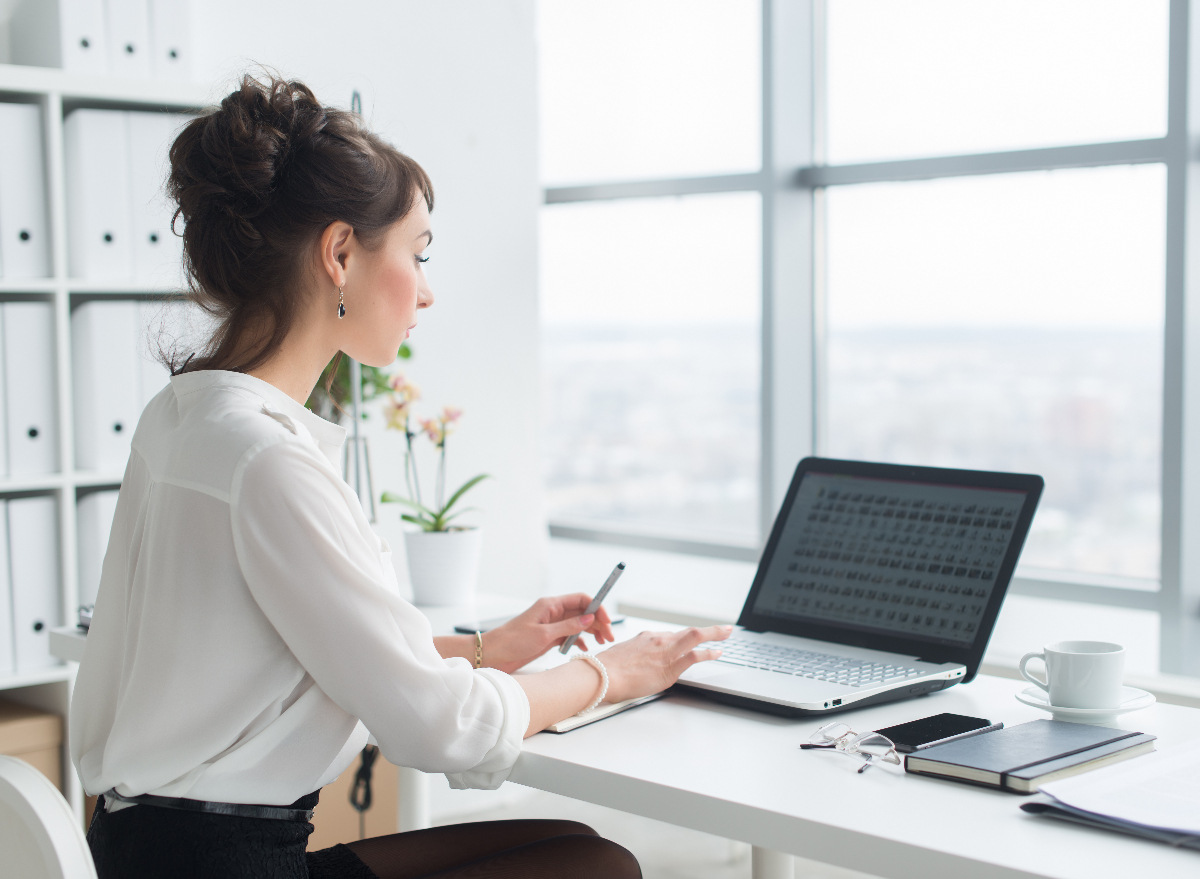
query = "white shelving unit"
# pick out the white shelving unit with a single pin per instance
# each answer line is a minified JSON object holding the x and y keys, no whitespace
{"x":58,"y":93}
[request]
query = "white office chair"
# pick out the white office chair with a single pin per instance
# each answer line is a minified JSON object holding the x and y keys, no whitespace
{"x":39,"y":834}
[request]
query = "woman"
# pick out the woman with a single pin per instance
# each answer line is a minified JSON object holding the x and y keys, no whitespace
{"x":248,"y":633}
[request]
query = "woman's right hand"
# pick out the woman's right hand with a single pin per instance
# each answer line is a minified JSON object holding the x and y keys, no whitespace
{"x":653,"y":661}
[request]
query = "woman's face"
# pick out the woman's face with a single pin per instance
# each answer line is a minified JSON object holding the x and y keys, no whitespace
{"x":384,"y":290}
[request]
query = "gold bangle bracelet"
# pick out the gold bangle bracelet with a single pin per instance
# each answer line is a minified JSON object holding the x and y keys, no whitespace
{"x":479,"y":649}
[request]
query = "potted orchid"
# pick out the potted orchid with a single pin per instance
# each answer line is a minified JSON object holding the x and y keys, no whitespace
{"x":443,"y":556}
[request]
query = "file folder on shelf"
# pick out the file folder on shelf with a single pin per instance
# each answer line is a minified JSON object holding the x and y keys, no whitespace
{"x":157,"y":250}
{"x":8,"y":650}
{"x":158,"y":324}
{"x":29,"y":388}
{"x":128,"y":23}
{"x":95,"y":517}
{"x":33,"y":560}
{"x":96,"y":146}
{"x":24,"y":232}
{"x":170,"y":40}
{"x":3,"y":408}
{"x":60,"y":33}
{"x":106,"y":371}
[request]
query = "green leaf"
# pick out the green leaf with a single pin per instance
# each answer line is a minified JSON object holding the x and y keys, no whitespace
{"x":405,"y":352}
{"x":426,"y":524}
{"x":469,"y":484}
{"x":389,"y":498}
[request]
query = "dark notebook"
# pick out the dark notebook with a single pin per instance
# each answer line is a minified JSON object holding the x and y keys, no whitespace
{"x":1022,"y":757}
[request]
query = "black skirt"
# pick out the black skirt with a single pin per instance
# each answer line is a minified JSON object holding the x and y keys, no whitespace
{"x":149,"y":842}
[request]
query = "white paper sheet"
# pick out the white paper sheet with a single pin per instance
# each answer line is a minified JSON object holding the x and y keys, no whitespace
{"x":1158,"y":790}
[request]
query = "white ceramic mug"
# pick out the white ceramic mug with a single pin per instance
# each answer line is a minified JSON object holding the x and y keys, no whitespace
{"x":1080,"y":674}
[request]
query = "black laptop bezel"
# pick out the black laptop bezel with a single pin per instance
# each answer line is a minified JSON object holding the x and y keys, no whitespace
{"x":969,"y":656}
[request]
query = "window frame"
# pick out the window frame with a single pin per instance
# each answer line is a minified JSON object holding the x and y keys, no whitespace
{"x":791,"y":183}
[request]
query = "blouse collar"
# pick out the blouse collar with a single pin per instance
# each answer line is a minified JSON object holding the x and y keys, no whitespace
{"x":324,"y":432}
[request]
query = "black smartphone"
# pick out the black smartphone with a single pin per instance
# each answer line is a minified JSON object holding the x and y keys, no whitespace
{"x":917,"y":735}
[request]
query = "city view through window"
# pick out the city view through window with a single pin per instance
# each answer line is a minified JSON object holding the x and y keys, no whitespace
{"x":1006,"y":321}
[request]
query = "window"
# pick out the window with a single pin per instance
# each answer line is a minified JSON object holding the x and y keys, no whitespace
{"x":651,"y":296}
{"x":943,"y":77}
{"x":971,"y":253}
{"x":1010,"y":322}
{"x":651,"y":363}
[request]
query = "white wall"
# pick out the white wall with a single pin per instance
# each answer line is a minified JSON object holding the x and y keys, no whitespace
{"x":453,"y":84}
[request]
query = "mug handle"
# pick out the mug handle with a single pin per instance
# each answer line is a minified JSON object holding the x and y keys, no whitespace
{"x":1021,"y":668}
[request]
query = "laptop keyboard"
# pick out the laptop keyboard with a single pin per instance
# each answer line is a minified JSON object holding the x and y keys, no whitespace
{"x":810,"y":664}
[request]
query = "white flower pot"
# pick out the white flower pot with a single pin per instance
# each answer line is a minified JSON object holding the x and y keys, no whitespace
{"x":443,"y":566}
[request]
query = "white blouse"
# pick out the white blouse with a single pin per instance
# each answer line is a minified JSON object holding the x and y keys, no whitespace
{"x":248,"y":630}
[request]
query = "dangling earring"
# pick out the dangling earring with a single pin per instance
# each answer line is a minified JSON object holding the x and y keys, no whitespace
{"x":341,"y":305}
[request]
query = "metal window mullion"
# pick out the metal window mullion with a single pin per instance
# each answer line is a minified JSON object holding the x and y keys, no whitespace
{"x":1087,"y":155}
{"x":654,"y":188}
{"x":788,"y":338}
{"x":1179,"y":598}
{"x":1084,"y":593}
{"x":783,"y":176}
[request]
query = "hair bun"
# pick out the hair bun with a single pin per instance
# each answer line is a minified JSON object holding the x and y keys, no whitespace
{"x":232,"y":160}
{"x":256,"y":180}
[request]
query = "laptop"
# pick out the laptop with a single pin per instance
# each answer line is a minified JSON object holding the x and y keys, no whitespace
{"x":879,"y":582}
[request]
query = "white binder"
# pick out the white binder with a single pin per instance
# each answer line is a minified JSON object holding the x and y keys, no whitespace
{"x":96,"y":144}
{"x":158,"y":323}
{"x":3,"y":408}
{"x":105,"y":367}
{"x":170,"y":40}
{"x":157,"y":251}
{"x":24,"y":232}
{"x":8,"y":650}
{"x":33,"y":560}
{"x":95,"y":517}
{"x":128,"y":23}
{"x":60,"y":33}
{"x":29,"y":388}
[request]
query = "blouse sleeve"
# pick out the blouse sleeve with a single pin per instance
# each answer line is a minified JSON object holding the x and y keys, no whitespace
{"x":318,"y":579}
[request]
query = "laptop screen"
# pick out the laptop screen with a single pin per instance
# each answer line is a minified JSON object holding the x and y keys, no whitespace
{"x":911,"y":559}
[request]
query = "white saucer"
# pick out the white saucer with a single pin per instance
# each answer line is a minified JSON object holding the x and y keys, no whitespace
{"x":1132,"y":699}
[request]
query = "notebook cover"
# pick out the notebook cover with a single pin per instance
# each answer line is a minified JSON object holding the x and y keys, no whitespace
{"x":1015,"y":748}
{"x":607,"y":709}
{"x":1045,"y":768}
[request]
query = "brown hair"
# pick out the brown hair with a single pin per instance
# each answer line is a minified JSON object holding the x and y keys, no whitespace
{"x":257,"y":180}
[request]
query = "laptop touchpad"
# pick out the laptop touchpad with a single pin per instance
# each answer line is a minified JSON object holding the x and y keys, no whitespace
{"x":705,"y":671}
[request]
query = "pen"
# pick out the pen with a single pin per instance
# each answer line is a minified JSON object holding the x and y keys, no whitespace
{"x":596,"y":602}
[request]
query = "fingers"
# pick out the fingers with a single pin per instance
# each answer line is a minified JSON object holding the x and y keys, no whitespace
{"x":601,"y":629}
{"x":572,"y":605}
{"x":560,"y":631}
{"x":691,"y":637}
{"x":683,"y":663}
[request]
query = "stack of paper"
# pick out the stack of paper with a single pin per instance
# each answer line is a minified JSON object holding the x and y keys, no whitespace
{"x":1155,"y":797}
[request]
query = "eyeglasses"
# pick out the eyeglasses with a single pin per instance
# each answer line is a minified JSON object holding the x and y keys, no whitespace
{"x":870,"y":745}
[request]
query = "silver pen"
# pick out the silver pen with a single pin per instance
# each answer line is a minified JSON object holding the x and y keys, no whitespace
{"x":596,"y":602}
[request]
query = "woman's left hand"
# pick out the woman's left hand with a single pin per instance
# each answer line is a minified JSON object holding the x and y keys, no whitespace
{"x":548,"y":623}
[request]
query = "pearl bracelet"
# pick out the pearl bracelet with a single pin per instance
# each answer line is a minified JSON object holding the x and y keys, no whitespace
{"x":599,"y":666}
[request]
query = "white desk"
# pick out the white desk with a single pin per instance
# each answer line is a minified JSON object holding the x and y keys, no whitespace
{"x":741,"y":775}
